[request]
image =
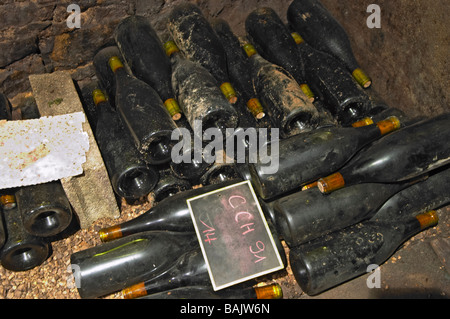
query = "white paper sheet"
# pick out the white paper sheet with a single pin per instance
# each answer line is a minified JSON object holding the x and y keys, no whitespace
{"x":42,"y":150}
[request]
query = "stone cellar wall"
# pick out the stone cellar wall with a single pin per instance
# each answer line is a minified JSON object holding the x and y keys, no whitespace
{"x":406,"y":57}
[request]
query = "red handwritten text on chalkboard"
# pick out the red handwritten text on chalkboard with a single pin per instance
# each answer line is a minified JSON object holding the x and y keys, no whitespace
{"x":233,"y":234}
{"x":236,"y":201}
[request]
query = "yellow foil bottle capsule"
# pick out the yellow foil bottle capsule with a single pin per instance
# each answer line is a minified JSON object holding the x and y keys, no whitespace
{"x":331,"y":183}
{"x":249,"y":49}
{"x":134,"y":291}
{"x":8,"y":201}
{"x":428,"y":219}
{"x":110,"y":233}
{"x":170,"y":47}
{"x":229,"y":92}
{"x":256,"y":108}
{"x":297,"y":37}
{"x":98,"y":96}
{"x":308,"y":92}
{"x":363,"y":122}
{"x":389,"y":125}
{"x":362,"y":78}
{"x":272,"y":291}
{"x":173,"y":108}
{"x":115,"y":63}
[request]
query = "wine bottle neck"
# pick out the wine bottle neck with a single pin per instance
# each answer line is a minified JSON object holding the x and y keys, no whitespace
{"x":98,"y":97}
{"x":115,"y":64}
{"x":419,"y":223}
{"x":297,"y":38}
{"x":250,"y":50}
{"x":7,"y":201}
{"x":171,"y":49}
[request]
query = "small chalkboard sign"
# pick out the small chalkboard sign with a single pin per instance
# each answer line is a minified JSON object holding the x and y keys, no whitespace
{"x":234,"y":236}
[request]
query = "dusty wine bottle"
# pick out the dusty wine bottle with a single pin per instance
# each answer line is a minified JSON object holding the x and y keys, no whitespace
{"x":306,"y":157}
{"x":238,"y":66}
{"x":113,"y":266}
{"x":143,"y":52}
{"x":194,"y":36}
{"x":191,"y":171}
{"x":169,"y":185}
{"x":343,"y":97}
{"x":171,"y":214}
{"x":272,"y":40}
{"x":130,"y":176}
{"x":430,"y":194}
{"x":44,"y":209}
{"x":143,"y":114}
{"x":21,"y":250}
{"x":288,"y":107}
{"x":272,"y":291}
{"x":223,"y":169}
{"x":340,"y":256}
{"x":198,"y":94}
{"x":306,"y":215}
{"x":188,"y":161}
{"x":189,"y":270}
{"x":323,"y":32}
{"x":407,"y":153}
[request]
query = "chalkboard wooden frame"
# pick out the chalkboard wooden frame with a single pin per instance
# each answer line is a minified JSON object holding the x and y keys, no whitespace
{"x":233,"y":234}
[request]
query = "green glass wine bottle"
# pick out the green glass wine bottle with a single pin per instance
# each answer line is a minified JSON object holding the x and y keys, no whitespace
{"x":195,"y":37}
{"x":21,"y":250}
{"x":288,"y":107}
{"x":198,"y":94}
{"x":113,"y":266}
{"x":238,"y":66}
{"x":407,"y":153}
{"x":344,"y":98}
{"x":323,"y":32}
{"x":272,"y":40}
{"x":144,"y":54}
{"x":169,"y":184}
{"x":306,"y":157}
{"x":331,"y":260}
{"x":430,"y":194}
{"x":130,"y":176}
{"x":188,"y":161}
{"x":306,"y":215}
{"x":188,"y":270}
{"x":44,"y":208}
{"x":143,"y":114}
{"x":272,"y":291}
{"x":171,"y":213}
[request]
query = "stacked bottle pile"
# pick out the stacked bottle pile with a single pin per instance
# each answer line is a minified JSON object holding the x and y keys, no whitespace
{"x":345,"y":193}
{"x":31,"y":217}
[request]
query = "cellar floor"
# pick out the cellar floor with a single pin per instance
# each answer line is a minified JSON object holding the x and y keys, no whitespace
{"x":417,"y":270}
